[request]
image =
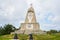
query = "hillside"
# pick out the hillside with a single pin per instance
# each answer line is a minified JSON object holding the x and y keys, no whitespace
{"x":35,"y":37}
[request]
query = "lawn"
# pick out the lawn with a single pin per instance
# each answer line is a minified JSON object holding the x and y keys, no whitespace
{"x":35,"y":37}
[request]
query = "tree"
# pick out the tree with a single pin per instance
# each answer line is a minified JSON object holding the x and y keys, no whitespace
{"x":52,"y":31}
{"x":59,"y":31}
{"x":0,"y":30}
{"x":7,"y":29}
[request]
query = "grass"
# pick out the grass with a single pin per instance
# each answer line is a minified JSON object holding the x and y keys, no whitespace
{"x":35,"y":37}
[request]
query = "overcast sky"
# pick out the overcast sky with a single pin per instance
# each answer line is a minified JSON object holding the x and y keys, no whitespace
{"x":47,"y":12}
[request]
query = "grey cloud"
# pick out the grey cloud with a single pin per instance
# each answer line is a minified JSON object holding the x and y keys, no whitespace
{"x":17,"y":16}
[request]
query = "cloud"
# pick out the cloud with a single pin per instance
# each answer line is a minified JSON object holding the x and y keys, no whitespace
{"x":11,"y":11}
{"x":47,"y":12}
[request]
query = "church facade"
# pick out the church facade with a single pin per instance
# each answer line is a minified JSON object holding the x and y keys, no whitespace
{"x":30,"y":25}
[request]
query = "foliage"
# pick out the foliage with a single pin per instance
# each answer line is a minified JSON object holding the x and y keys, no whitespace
{"x":52,"y":31}
{"x":59,"y":31}
{"x":7,"y":29}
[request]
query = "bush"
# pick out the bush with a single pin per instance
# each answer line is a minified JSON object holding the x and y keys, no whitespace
{"x":7,"y":29}
{"x":52,"y":31}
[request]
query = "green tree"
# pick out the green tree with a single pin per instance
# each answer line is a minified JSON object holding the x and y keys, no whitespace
{"x":0,"y":30}
{"x":7,"y":29}
{"x":52,"y":31}
{"x":59,"y":31}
